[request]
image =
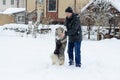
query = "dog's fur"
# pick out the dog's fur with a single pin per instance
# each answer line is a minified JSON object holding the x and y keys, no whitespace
{"x":58,"y":55}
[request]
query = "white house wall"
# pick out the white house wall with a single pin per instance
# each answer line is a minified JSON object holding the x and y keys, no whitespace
{"x":8,"y":4}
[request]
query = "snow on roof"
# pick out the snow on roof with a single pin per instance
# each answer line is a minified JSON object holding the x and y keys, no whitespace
{"x":1,"y":12}
{"x":13,"y":10}
{"x":114,"y":3}
{"x":85,"y":7}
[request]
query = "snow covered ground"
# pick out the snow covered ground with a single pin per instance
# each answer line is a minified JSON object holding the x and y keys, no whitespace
{"x":27,"y":58}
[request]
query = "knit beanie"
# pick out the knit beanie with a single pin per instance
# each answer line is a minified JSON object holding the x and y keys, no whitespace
{"x":69,"y":10}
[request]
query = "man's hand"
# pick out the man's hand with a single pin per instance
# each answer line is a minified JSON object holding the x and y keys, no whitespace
{"x":62,"y":35}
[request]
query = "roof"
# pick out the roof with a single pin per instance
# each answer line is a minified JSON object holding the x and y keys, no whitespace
{"x":114,"y":3}
{"x":12,"y":10}
{"x":85,"y":7}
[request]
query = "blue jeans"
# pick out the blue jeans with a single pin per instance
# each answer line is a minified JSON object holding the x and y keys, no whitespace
{"x":77,"y":47}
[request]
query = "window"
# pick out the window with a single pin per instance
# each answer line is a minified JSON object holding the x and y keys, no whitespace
{"x":21,"y":18}
{"x":12,"y":2}
{"x":17,"y":2}
{"x":4,"y":2}
{"x":52,"y":5}
{"x":40,"y":1}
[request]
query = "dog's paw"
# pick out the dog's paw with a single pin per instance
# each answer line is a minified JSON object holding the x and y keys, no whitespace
{"x":53,"y":63}
{"x":54,"y":59}
{"x":61,"y":62}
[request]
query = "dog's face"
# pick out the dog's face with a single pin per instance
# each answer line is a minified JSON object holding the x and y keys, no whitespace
{"x":58,"y":32}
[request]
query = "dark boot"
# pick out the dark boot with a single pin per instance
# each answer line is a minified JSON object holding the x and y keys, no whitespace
{"x":71,"y":63}
{"x":78,"y":65}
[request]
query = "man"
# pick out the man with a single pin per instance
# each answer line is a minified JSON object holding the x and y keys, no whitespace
{"x":74,"y":34}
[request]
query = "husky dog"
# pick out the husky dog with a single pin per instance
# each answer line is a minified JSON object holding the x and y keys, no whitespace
{"x":58,"y":55}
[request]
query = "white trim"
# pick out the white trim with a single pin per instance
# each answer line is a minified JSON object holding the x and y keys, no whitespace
{"x":48,"y":7}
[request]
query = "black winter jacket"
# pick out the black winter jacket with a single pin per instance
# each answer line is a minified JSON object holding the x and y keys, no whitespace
{"x":73,"y":26}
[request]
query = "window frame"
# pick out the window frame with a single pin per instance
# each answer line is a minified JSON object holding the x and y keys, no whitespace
{"x":20,"y":18}
{"x":12,"y":2}
{"x":4,"y":2}
{"x":52,"y":10}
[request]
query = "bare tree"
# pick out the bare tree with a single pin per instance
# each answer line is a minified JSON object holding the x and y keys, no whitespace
{"x":100,"y":12}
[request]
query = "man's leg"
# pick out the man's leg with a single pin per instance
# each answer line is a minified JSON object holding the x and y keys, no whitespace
{"x":78,"y":54}
{"x":70,"y":53}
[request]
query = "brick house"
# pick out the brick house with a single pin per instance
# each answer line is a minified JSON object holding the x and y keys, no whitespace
{"x":54,"y":9}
